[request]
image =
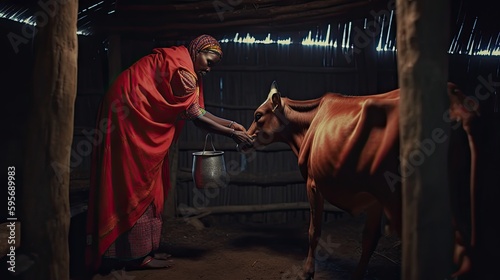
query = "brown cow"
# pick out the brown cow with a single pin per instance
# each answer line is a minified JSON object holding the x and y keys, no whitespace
{"x":345,"y":145}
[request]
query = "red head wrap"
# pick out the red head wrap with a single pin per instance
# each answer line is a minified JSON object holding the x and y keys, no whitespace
{"x":204,"y":43}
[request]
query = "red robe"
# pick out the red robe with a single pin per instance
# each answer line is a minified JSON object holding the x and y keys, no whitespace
{"x":138,"y":120}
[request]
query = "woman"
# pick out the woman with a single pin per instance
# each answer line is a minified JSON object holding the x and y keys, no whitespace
{"x":140,"y":116}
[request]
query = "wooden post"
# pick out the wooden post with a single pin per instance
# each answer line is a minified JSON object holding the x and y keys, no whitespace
{"x":422,"y":43}
{"x":45,"y":211}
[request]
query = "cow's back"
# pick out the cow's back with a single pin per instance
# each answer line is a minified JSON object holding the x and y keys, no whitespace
{"x":353,"y":142}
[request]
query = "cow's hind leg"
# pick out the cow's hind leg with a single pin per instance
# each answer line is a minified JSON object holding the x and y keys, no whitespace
{"x":371,"y":236}
{"x":316,"y":214}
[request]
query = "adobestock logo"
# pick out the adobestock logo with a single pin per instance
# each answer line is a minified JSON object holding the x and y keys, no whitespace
{"x":362,"y":38}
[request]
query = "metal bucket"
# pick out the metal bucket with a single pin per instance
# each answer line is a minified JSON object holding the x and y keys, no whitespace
{"x":209,"y":168}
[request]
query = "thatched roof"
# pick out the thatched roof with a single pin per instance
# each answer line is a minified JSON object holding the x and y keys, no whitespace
{"x":474,"y":25}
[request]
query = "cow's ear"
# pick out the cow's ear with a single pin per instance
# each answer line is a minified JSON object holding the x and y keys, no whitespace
{"x":275,"y":96}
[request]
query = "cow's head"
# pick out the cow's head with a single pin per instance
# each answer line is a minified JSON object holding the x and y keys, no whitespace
{"x":269,"y":120}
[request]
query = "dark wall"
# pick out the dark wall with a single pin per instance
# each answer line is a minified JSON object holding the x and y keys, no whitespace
{"x":16,"y":80}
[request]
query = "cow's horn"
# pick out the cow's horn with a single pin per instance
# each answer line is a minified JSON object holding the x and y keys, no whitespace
{"x":274,"y":89}
{"x":274,"y":85}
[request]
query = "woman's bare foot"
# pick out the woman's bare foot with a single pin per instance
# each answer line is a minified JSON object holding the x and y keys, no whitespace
{"x":162,"y":256}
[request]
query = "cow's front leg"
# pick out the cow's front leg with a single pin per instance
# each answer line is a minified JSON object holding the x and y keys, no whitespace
{"x":316,"y":203}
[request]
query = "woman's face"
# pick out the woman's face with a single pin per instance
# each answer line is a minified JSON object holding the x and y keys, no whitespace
{"x":204,"y":62}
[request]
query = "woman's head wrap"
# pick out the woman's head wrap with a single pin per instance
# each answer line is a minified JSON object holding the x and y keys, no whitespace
{"x":204,"y":43}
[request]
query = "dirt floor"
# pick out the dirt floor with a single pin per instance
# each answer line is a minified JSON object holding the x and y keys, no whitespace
{"x":257,"y":251}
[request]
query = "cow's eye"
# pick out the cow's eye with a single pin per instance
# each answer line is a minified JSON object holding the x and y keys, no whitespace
{"x":257,"y":117}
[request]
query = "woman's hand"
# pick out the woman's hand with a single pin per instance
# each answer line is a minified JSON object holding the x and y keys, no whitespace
{"x":231,"y":129}
{"x":240,"y":136}
{"x":238,"y":127}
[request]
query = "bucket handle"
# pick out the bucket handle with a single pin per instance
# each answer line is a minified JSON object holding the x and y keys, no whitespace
{"x":206,"y":138}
